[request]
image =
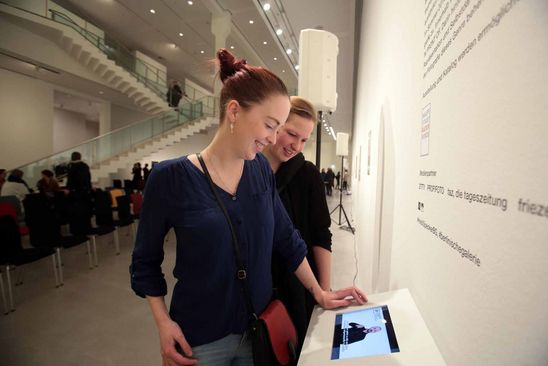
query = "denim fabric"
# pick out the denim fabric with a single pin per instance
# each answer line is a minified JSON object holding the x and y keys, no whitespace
{"x":232,"y":350}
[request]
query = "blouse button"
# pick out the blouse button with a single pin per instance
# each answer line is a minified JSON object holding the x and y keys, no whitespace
{"x":233,"y":198}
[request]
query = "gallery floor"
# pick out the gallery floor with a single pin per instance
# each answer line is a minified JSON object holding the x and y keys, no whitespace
{"x":95,"y":319}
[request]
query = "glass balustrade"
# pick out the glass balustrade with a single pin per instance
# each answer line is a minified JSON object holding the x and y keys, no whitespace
{"x":115,"y":143}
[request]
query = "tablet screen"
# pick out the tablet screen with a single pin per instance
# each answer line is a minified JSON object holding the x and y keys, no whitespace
{"x":365,"y":332}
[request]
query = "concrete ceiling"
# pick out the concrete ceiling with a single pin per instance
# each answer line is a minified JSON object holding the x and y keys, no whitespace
{"x":131,"y":23}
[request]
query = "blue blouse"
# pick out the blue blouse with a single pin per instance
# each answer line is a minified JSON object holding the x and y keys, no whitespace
{"x":208,"y":301}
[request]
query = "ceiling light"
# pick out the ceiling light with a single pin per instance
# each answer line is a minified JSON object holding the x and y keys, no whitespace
{"x":283,"y":70}
{"x":279,"y":31}
{"x":332,"y":132}
{"x":296,"y":67}
{"x":202,"y":51}
{"x":180,"y":34}
{"x":101,"y":92}
{"x":265,"y":42}
{"x":288,"y":51}
{"x":251,"y":22}
{"x":153,"y":11}
{"x":266,"y":7}
{"x":172,"y":45}
{"x":275,"y":59}
{"x":190,"y":2}
{"x":231,"y":47}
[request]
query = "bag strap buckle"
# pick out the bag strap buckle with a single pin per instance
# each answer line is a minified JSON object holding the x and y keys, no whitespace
{"x":242,"y":274}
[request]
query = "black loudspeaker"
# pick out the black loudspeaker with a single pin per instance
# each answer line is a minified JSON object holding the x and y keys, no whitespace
{"x":318,"y":52}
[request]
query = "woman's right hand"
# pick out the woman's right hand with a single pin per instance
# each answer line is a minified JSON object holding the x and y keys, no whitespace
{"x":170,"y":334}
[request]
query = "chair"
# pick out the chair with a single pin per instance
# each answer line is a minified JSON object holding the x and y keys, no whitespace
{"x":16,"y":203}
{"x":125,"y":218}
{"x":114,"y":193}
{"x":128,"y":186}
{"x":45,"y":230}
{"x":137,"y":201}
{"x":103,"y":214}
{"x":7,"y":209}
{"x":13,"y":254}
{"x":80,"y":225}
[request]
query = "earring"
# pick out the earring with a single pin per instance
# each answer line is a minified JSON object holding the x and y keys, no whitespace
{"x":231,"y":127}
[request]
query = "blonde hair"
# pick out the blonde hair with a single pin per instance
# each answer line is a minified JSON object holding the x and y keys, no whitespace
{"x":303,"y":108}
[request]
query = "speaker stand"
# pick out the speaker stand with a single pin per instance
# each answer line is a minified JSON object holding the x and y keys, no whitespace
{"x":341,"y":207}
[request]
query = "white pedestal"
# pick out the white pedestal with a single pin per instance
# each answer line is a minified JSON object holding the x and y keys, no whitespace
{"x":415,"y":342}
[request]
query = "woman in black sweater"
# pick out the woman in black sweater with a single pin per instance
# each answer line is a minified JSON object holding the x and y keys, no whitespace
{"x":303,"y":194}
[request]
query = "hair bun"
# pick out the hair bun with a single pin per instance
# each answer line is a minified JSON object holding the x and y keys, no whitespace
{"x":229,"y":64}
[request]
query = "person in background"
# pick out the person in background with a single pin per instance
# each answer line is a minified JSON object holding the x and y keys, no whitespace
{"x":345,"y":180}
{"x":146,"y":172}
{"x":15,"y":186}
{"x":175,"y":93}
{"x":208,"y":317}
{"x":2,"y":178}
{"x":338,"y":179}
{"x":137,"y":175}
{"x":48,"y":185}
{"x":78,"y":176}
{"x":330,"y":177}
{"x":301,"y":189}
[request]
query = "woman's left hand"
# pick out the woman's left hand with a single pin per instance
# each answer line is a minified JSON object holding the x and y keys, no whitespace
{"x":341,"y":298}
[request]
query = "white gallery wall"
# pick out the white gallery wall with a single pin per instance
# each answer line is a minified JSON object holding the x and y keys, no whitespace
{"x":71,"y":128}
{"x":26,"y":119}
{"x":450,"y":190}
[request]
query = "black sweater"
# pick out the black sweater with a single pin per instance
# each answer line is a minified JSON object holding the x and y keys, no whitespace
{"x":302,"y":192}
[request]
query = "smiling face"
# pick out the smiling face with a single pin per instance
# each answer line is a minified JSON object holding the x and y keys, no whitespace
{"x":256,"y":127}
{"x":292,"y":137}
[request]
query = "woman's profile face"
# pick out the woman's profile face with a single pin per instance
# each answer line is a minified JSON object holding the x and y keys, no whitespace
{"x":257,"y":126}
{"x":292,"y":137}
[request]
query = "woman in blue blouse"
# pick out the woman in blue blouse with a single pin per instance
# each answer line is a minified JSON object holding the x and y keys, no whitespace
{"x":208,"y":317}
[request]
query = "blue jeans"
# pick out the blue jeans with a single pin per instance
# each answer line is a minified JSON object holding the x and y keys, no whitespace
{"x":232,"y":350}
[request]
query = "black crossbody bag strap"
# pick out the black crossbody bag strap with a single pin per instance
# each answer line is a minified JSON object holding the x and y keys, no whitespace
{"x":242,"y":273}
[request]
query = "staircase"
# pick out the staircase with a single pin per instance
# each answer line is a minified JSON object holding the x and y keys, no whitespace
{"x":119,"y":149}
{"x":101,"y":173}
{"x":109,"y":63}
{"x":92,"y":51}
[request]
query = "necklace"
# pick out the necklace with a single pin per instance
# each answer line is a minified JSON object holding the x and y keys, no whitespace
{"x":225,"y":186}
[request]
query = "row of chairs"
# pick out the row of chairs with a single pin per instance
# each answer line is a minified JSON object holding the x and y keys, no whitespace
{"x":44,"y":218}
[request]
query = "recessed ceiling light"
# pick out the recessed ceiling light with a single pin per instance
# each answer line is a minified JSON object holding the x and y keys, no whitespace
{"x":172,"y":45}
{"x":279,"y":31}
{"x":283,"y":70}
{"x":251,"y":22}
{"x":101,"y":92}
{"x":275,"y":59}
{"x":266,"y":7}
{"x":180,"y":34}
{"x":296,"y":67}
{"x":153,"y":11}
{"x":190,"y":2}
{"x":231,"y":47}
{"x":288,"y":51}
{"x":265,"y":42}
{"x":202,"y":51}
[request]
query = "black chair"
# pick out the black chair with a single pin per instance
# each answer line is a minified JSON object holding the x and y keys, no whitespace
{"x":125,"y":217}
{"x":45,"y":230}
{"x":117,"y":183}
{"x":128,"y":186}
{"x":12,"y":254}
{"x":103,"y":214}
{"x":80,"y":225}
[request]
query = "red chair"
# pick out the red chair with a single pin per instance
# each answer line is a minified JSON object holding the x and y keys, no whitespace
{"x":137,"y":201}
{"x":7,"y":209}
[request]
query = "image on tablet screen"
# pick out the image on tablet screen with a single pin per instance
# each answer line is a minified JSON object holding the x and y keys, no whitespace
{"x":365,"y":332}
